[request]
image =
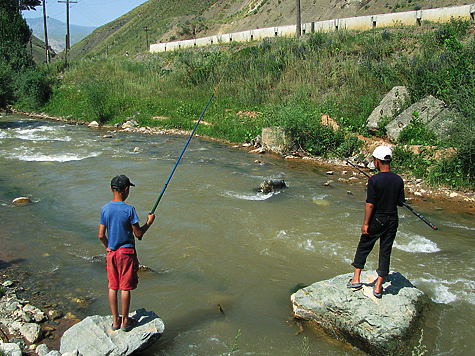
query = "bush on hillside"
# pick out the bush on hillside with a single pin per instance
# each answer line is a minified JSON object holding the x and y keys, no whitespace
{"x":32,"y":88}
{"x":416,"y":133}
{"x":98,"y":95}
{"x":303,"y":124}
{"x":6,"y":85}
{"x":457,"y":170}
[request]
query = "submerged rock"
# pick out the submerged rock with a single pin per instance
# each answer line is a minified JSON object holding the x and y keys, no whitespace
{"x":21,"y":201}
{"x":94,"y":336}
{"x":271,"y":185}
{"x":377,"y":326}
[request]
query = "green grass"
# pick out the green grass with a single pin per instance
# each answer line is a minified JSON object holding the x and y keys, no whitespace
{"x":290,"y":83}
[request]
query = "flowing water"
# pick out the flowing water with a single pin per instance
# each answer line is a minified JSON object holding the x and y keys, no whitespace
{"x":216,"y":240}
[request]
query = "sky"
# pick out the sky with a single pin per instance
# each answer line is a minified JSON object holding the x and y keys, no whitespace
{"x":93,"y":13}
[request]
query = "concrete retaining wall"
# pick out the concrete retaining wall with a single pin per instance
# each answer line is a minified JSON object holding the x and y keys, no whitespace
{"x":410,"y":18}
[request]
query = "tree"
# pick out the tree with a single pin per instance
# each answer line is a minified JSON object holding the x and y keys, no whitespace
{"x":14,"y":36}
{"x":29,"y":4}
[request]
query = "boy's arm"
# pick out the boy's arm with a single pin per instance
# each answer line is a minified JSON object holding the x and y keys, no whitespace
{"x":140,"y":231}
{"x":367,"y":216}
{"x":102,"y":235}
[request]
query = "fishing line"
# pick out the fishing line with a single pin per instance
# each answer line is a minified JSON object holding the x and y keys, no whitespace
{"x":186,"y":145}
{"x":424,"y":219}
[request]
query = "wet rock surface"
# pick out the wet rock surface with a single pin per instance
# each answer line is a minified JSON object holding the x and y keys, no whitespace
{"x":384,"y":326}
{"x":29,"y":315}
{"x":94,"y":335}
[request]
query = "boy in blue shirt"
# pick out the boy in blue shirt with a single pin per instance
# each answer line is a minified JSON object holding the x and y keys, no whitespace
{"x":121,"y":223}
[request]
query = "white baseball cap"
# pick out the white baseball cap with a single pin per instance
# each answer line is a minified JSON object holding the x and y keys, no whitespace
{"x":383,"y":153}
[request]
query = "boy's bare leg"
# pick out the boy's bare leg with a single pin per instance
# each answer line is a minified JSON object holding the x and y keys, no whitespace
{"x":116,"y":319}
{"x":356,"y":276}
{"x":125,"y":299}
{"x":378,"y":285}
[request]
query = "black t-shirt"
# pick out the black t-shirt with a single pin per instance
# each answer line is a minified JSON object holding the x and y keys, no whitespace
{"x":385,"y":192}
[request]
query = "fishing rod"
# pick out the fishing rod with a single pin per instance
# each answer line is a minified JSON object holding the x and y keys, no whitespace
{"x":424,"y":219}
{"x":186,"y":145}
{"x":179,"y":158}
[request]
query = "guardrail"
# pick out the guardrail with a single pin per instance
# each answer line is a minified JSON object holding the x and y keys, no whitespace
{"x":410,"y":18}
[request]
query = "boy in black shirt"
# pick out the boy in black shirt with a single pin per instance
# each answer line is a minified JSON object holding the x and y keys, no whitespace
{"x":385,"y":193}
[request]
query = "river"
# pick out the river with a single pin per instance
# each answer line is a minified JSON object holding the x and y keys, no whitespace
{"x":216,"y":240}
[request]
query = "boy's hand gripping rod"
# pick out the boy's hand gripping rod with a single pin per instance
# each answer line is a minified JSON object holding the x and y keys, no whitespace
{"x":179,"y":158}
{"x":367,"y":175}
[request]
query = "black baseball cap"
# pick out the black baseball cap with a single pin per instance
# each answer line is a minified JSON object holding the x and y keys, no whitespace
{"x":121,"y":182}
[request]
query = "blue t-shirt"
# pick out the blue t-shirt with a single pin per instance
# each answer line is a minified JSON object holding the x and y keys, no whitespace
{"x":118,"y":219}
{"x":385,"y":192}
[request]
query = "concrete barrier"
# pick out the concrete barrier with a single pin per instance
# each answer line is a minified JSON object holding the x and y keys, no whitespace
{"x":362,"y":23}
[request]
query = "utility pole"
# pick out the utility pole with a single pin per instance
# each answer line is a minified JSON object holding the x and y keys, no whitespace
{"x":299,"y":21}
{"x":146,"y":35}
{"x":67,"y":2}
{"x":46,"y":32}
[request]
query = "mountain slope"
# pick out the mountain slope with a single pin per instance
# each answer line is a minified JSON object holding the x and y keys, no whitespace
{"x":167,"y":20}
{"x":57,"y":32}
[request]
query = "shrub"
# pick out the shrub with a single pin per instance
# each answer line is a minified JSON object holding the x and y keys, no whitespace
{"x":458,"y":170}
{"x":416,"y":133}
{"x":98,"y":96}
{"x":303,"y":124}
{"x":406,"y":161}
{"x":33,"y":88}
{"x":6,"y":85}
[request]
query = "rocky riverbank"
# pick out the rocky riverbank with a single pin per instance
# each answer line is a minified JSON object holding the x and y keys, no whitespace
{"x":32,"y":320}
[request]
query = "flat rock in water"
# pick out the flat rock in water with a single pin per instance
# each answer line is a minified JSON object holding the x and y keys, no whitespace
{"x":382,"y":326}
{"x":94,"y":336}
{"x":21,"y":201}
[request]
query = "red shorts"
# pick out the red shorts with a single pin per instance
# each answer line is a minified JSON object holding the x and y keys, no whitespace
{"x":122,"y":268}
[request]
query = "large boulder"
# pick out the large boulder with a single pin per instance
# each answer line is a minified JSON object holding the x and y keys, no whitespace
{"x":94,"y":336}
{"x":425,"y":110}
{"x":377,"y":326}
{"x":275,"y":139}
{"x":443,"y":123}
{"x":391,"y":106}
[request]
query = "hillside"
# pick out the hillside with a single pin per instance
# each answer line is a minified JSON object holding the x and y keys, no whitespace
{"x":38,"y":50}
{"x":57,"y":32}
{"x":164,"y":20}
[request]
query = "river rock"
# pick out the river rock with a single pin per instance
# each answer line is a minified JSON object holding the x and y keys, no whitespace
{"x":21,"y":201}
{"x":129,"y":124}
{"x":376,"y":326}
{"x":42,"y":350}
{"x":93,"y":124}
{"x":55,"y":314}
{"x":36,"y":314}
{"x":30,"y":331}
{"x":53,"y":353}
{"x":271,"y":185}
{"x":10,"y":349}
{"x":94,"y":336}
